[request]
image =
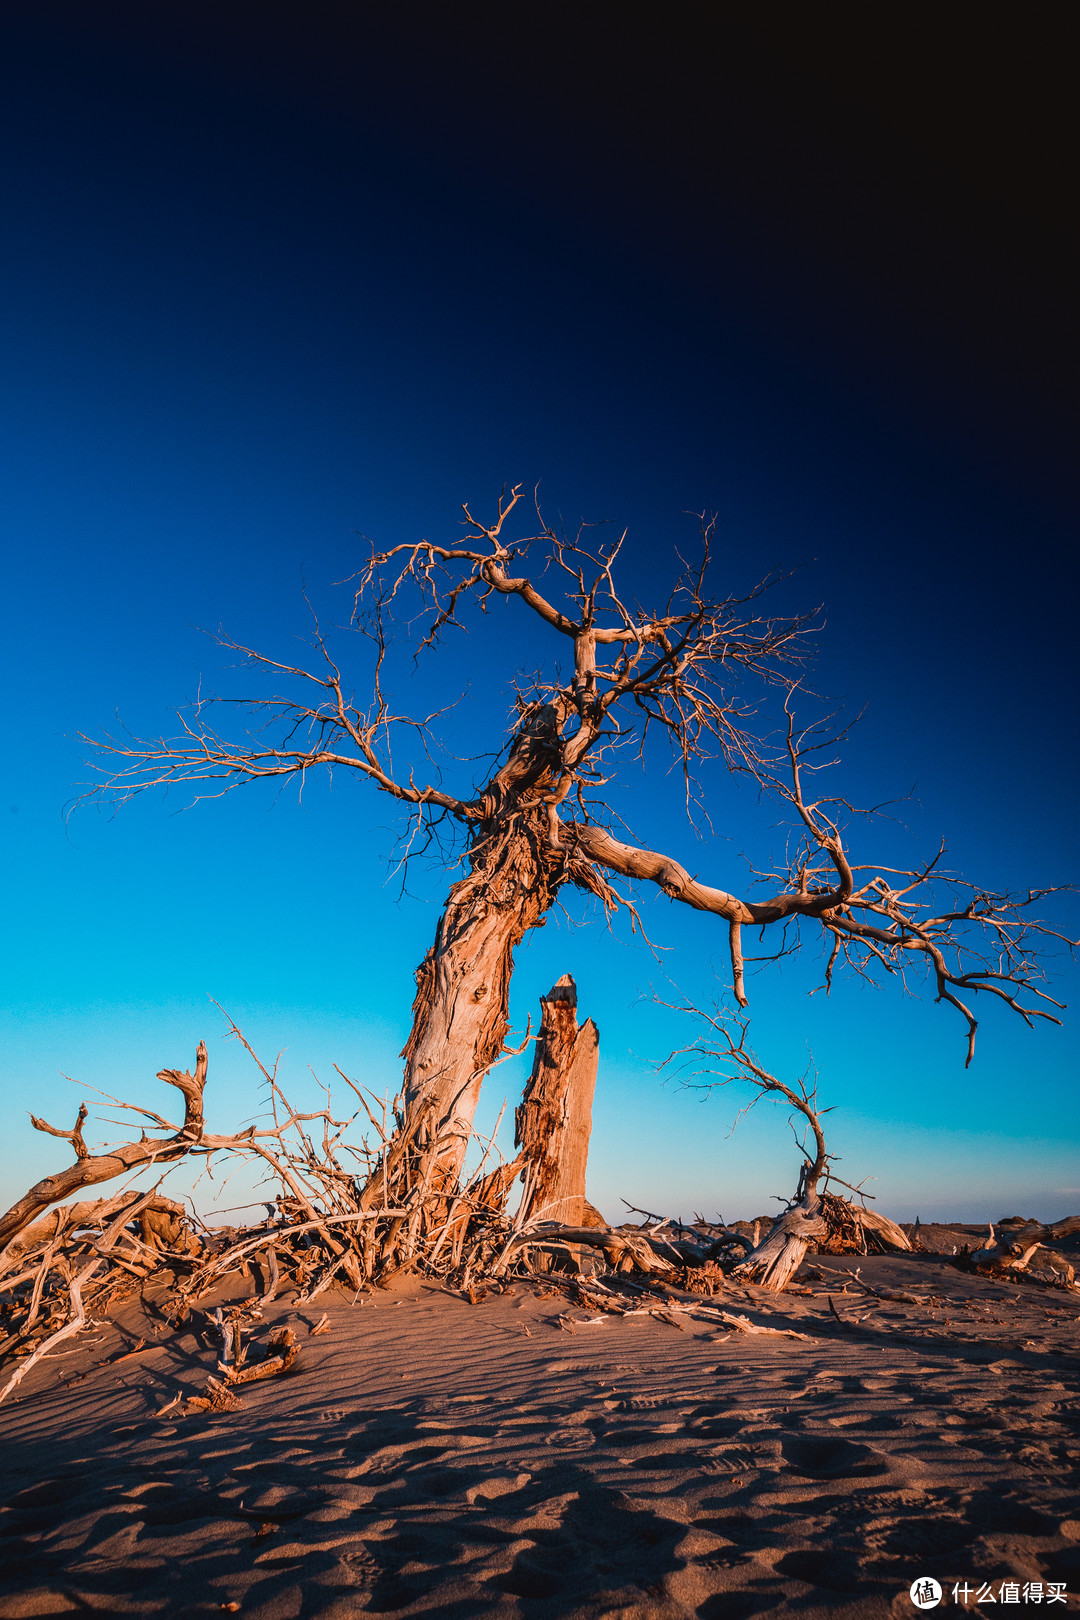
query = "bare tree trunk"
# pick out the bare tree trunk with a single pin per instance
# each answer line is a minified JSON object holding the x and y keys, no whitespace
{"x":461,"y":1009}
{"x":816,"y":1220}
{"x":554,"y":1121}
{"x":775,"y":1261}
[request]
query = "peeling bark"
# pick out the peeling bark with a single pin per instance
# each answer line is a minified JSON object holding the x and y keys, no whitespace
{"x":461,"y":1009}
{"x":554,"y":1121}
{"x":775,"y":1261}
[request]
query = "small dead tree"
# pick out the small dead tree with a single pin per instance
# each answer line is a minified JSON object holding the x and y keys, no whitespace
{"x":814,"y":1216}
{"x":697,"y":671}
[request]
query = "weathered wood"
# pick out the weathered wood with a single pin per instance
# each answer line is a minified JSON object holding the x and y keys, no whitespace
{"x":282,"y":1351}
{"x":460,"y":1012}
{"x":68,"y":1218}
{"x":90,"y":1168}
{"x":773,"y":1262}
{"x":623,"y":1249}
{"x":462,"y":992}
{"x":162,"y":1226}
{"x":1024,"y":1257}
{"x":75,"y":1324}
{"x":882,"y":1233}
{"x":554,"y":1122}
{"x":488,"y":1195}
{"x":807,"y":1224}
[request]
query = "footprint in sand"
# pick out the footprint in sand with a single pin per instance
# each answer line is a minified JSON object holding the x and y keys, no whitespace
{"x":566,"y":1438}
{"x":828,"y":1458}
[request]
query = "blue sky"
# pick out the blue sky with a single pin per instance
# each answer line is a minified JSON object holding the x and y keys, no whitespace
{"x":249,"y":322}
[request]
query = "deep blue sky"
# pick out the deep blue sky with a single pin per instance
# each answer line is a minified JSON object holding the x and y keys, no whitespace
{"x":272,"y":279}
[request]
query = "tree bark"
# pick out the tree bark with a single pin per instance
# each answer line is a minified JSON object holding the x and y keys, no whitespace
{"x":554,"y":1121}
{"x":774,"y":1262}
{"x":461,"y":1009}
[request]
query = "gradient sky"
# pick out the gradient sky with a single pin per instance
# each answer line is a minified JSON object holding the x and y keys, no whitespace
{"x":274,"y":280}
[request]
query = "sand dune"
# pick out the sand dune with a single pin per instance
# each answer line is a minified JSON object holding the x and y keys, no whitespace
{"x":517,"y":1458}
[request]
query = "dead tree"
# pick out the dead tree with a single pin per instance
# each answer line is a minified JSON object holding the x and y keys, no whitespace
{"x":1026,"y":1256}
{"x":814,"y":1217}
{"x":554,"y":1120}
{"x":159,"y":1217}
{"x":697,"y":671}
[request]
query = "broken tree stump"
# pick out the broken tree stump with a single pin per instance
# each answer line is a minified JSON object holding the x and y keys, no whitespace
{"x":773,"y":1262}
{"x":824,"y":1223}
{"x":553,"y":1124}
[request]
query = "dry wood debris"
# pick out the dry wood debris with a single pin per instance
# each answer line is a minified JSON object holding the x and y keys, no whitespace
{"x":1025,"y":1256}
{"x":353,"y":1216}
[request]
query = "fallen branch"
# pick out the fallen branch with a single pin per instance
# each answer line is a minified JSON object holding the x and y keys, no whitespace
{"x":742,"y":1324}
{"x":623,"y":1250}
{"x":89,"y":1168}
{"x":999,"y":1256}
{"x":886,"y":1293}
{"x":282,"y":1351}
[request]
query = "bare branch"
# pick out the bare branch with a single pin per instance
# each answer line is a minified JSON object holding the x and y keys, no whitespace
{"x":713,"y":676}
{"x":91,"y":1168}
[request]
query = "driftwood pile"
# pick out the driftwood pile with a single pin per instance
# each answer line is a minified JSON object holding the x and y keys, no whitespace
{"x":1022,"y":1250}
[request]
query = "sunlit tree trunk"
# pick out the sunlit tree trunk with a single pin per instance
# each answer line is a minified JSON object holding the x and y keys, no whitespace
{"x":554,"y":1122}
{"x":461,"y":1009}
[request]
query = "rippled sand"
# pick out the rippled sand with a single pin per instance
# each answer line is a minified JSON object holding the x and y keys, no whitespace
{"x":431,"y":1457}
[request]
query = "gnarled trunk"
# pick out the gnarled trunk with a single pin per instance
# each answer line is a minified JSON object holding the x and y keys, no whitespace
{"x":518,"y":864}
{"x":460,"y":1014}
{"x":774,"y":1262}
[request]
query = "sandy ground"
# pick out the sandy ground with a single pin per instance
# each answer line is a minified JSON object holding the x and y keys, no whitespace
{"x":513,"y":1458}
